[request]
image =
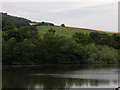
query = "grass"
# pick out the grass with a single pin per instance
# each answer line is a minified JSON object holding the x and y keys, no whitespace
{"x":62,"y":31}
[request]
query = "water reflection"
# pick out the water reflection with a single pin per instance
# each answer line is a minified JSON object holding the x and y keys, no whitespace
{"x":59,"y":76}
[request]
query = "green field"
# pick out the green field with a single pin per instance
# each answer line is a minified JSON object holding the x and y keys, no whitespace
{"x":62,"y":31}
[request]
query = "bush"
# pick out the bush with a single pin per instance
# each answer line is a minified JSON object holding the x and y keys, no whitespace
{"x":23,"y":46}
{"x":52,"y":49}
{"x":63,"y":25}
{"x":81,"y":38}
{"x":98,"y":54}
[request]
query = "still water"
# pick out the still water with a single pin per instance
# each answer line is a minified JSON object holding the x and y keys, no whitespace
{"x":60,"y":76}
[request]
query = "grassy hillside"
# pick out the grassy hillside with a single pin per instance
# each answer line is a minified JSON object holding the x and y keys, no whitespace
{"x":63,"y":31}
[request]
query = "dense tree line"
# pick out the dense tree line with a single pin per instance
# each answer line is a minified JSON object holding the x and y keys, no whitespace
{"x":45,"y":24}
{"x":51,"y":49}
{"x":23,"y":46}
{"x":99,"y":38}
{"x":17,"y":21}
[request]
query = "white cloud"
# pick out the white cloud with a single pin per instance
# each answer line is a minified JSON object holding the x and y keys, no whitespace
{"x":97,"y":15}
{"x":59,"y":0}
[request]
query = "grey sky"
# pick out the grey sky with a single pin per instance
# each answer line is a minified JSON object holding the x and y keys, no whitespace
{"x":96,"y":15}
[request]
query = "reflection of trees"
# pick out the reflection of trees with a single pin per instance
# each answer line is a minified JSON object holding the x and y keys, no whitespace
{"x":15,"y":80}
{"x":20,"y":78}
{"x":57,"y":68}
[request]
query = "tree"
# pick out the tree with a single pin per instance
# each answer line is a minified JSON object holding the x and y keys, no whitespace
{"x":7,"y":25}
{"x":81,"y":38}
{"x":101,"y":54}
{"x":63,"y":25}
{"x":100,"y":38}
{"x":8,"y":54}
{"x":24,"y":52}
{"x":116,"y":41}
{"x":12,"y":33}
{"x":51,"y":30}
{"x":20,"y":33}
{"x":17,"y":21}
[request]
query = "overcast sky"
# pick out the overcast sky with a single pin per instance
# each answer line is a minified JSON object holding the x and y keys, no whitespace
{"x":94,"y":15}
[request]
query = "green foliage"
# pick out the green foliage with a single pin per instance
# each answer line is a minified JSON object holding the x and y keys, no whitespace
{"x":115,"y":41}
{"x":17,"y":21}
{"x":24,"y":52}
{"x":28,"y":32}
{"x":81,"y":38}
{"x":51,"y":30}
{"x":50,"y":49}
{"x":53,"y":49}
{"x":8,"y":54}
{"x":11,"y":33}
{"x":105,"y":39}
{"x":97,"y":54}
{"x":20,"y":33}
{"x":99,"y":38}
{"x":119,"y":58}
{"x":24,"y":45}
{"x":7,"y":25}
{"x":18,"y":53}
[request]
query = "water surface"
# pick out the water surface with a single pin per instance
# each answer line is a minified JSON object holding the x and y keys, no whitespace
{"x":60,"y":76}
